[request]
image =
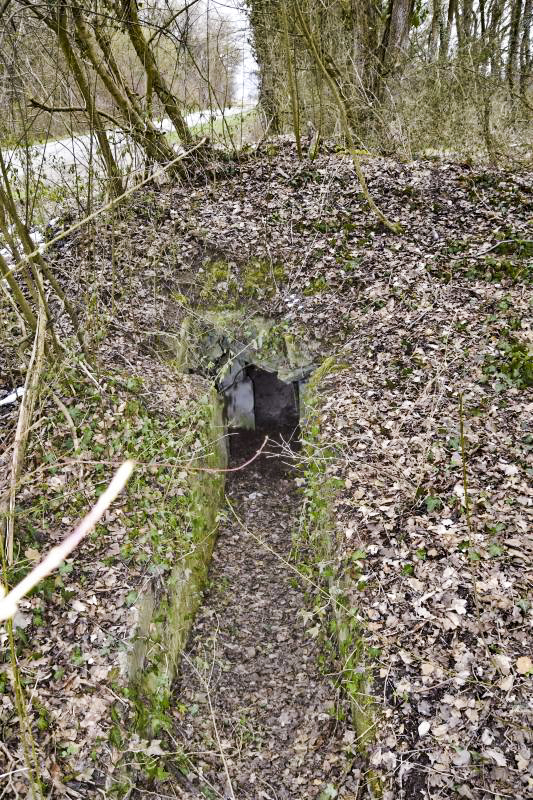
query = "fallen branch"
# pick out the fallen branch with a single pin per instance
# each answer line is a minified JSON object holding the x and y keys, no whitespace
{"x":70,"y":422}
{"x":107,"y":207}
{"x":56,"y":556}
{"x":229,"y":790}
{"x":484,"y":252}
{"x":171,"y":464}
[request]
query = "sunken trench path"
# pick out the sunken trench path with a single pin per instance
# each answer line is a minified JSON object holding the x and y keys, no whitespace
{"x":250,"y":657}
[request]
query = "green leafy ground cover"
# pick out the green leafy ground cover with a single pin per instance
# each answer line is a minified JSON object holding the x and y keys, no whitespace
{"x":430,"y":505}
{"x":112,"y":623}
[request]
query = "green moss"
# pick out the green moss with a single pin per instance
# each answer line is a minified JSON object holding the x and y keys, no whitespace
{"x":225,"y":285}
{"x":265,"y":343}
{"x":219,"y":287}
{"x":165,"y":619}
{"x":491,"y":268}
{"x":167,"y":524}
{"x":316,"y":537}
{"x":261,"y":277}
{"x":316,"y":286}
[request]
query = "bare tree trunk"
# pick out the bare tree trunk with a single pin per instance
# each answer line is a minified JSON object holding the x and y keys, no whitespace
{"x":23,"y":305}
{"x":435,"y":32}
{"x":147,"y":59}
{"x":514,"y":43}
{"x":104,"y":43}
{"x":467,"y":12}
{"x":459,"y":27}
{"x":394,"y":40}
{"x":58,"y":25}
{"x":399,"y":26}
{"x":369,"y":25}
{"x":447,"y":31}
{"x":482,"y":17}
{"x":494,"y":40}
{"x":267,"y":86}
{"x":31,"y":385}
{"x":361,"y":23}
{"x":291,"y":81}
{"x":35,"y":258}
{"x":331,"y":79}
{"x":142,"y":130}
{"x":525,"y":48}
{"x":6,"y":233}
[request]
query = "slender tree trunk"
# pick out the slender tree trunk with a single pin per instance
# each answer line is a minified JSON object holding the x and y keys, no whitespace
{"x":6,"y":233}
{"x":459,"y":27}
{"x":494,"y":38}
{"x":368,"y":23}
{"x":104,"y":43}
{"x":147,"y":59}
{"x":23,"y":305}
{"x":467,"y":19}
{"x":340,"y":100}
{"x":394,"y":40}
{"x":35,"y":258}
{"x":291,"y":80}
{"x":514,"y":44}
{"x":58,"y":25}
{"x":482,"y":16}
{"x":525,"y":48}
{"x":447,"y":31}
{"x":142,"y":130}
{"x":435,"y":32}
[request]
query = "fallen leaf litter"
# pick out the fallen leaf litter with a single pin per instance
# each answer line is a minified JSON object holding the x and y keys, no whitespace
{"x":417,"y":322}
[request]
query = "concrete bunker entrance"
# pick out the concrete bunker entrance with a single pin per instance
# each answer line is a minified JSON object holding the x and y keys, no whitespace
{"x":256,"y":399}
{"x":260,"y":373}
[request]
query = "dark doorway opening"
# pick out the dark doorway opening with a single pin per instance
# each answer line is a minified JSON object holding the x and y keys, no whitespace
{"x":276,"y":403}
{"x":258,"y":403}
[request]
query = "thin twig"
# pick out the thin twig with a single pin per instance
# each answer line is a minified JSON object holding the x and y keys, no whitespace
{"x":70,"y":422}
{"x":463,"y":459}
{"x":56,"y":556}
{"x":214,"y":721}
{"x":469,"y":518}
{"x":73,"y":110}
{"x":173,"y":464}
{"x":484,"y":252}
{"x":24,"y":422}
{"x":107,"y":207}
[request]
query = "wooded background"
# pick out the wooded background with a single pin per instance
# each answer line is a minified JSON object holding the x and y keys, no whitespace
{"x":399,"y":77}
{"x":117,"y":60}
{"x":446,"y":74}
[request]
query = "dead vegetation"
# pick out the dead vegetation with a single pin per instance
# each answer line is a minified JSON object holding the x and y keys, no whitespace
{"x":427,"y":421}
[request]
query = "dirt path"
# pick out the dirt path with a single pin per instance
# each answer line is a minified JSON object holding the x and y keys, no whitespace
{"x":251,"y":659}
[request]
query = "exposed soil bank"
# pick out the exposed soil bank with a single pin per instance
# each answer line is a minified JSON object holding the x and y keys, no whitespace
{"x":250,"y":668}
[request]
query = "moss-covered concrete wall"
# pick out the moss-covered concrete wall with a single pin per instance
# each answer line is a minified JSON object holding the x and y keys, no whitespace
{"x":316,"y":538}
{"x":114,"y":619}
{"x":165,"y":617}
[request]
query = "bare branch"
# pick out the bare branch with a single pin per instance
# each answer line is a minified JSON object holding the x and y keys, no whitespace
{"x":74,"y":110}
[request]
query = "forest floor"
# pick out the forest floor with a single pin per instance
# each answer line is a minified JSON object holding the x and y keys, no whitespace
{"x":253,"y":687}
{"x":428,"y":416}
